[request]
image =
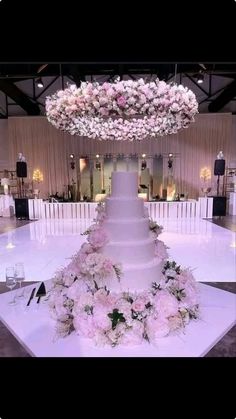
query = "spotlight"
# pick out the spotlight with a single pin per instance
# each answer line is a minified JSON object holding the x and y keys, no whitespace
{"x":40,"y":83}
{"x":200,"y":78}
{"x":143,"y":156}
{"x":144,"y":165}
{"x":170,"y":160}
{"x":97,"y":156}
{"x":72,"y":156}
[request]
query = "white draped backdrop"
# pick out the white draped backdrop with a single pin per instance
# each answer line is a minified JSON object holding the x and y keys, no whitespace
{"x":47,"y":149}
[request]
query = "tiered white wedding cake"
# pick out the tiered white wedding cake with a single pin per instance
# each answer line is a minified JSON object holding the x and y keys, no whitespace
{"x":120,"y":288}
{"x":130,"y":241}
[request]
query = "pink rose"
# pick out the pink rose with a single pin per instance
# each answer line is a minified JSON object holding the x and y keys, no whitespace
{"x":121,"y":101}
{"x":138,"y":305}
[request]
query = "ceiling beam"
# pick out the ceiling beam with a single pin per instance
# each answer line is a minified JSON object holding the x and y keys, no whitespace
{"x":19,"y":97}
{"x":225,"y":97}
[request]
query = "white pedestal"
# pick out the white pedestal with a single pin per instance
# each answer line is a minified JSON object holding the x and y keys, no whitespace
{"x":7,"y":207}
{"x":206,"y":207}
{"x":35,"y":209}
{"x":232,"y":203}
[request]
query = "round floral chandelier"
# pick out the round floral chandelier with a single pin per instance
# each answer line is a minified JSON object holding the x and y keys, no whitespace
{"x":123,"y":110}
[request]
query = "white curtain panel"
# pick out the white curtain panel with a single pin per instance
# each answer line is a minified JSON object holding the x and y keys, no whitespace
{"x":48,"y":149}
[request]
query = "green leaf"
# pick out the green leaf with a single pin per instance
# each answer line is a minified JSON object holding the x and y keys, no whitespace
{"x":116,"y":317}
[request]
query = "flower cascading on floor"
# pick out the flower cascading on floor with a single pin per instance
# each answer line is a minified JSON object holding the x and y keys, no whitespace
{"x":80,"y":303}
{"x":123,"y":110}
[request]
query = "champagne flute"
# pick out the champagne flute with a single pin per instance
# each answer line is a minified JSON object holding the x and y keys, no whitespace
{"x":11,"y":281}
{"x":20,"y":276}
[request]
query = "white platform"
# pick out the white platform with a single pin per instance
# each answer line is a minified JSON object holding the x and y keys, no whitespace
{"x":7,"y":206}
{"x":232,"y":203}
{"x":45,"y":245}
{"x":34,"y":329}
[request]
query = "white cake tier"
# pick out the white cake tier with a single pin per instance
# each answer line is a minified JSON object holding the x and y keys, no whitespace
{"x":124,"y":208}
{"x":140,"y":251}
{"x":136,"y":278}
{"x":127,"y":229}
{"x":124,"y":184}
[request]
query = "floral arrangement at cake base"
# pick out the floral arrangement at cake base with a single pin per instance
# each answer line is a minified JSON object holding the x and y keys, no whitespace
{"x":81,"y":303}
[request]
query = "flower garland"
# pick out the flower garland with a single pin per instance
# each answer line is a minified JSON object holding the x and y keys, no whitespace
{"x":79,"y":303}
{"x":123,"y":110}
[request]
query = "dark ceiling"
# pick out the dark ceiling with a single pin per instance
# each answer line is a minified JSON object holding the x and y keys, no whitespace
{"x":11,"y":74}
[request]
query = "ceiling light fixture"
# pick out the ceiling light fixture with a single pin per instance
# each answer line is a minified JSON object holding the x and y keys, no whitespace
{"x":39,"y":82}
{"x":200,"y":78}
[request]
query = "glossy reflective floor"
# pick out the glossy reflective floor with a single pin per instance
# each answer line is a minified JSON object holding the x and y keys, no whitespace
{"x":45,"y":245}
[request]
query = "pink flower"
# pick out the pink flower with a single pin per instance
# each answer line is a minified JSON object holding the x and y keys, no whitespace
{"x":84,"y":325}
{"x":165,"y":304}
{"x":98,"y":238}
{"x":76,"y":289}
{"x":190,"y":289}
{"x":160,"y":250}
{"x":134,"y":335}
{"x":121,"y":101}
{"x":102,"y":297}
{"x":108,"y":266}
{"x":139,"y":304}
{"x":100,"y":316}
{"x":156,"y":328}
{"x":86,"y":248}
{"x":175,"y":322}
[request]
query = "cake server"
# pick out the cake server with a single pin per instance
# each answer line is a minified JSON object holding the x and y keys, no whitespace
{"x":41,"y":292}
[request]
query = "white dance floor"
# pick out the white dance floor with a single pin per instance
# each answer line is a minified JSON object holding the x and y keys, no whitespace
{"x":45,"y":245}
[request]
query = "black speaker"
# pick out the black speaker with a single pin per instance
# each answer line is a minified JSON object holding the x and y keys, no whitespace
{"x":219,"y":206}
{"x":22,"y":208}
{"x":21,"y":169}
{"x":219,"y":168}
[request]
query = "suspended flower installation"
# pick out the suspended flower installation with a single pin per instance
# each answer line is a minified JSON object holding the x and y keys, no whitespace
{"x":123,"y":110}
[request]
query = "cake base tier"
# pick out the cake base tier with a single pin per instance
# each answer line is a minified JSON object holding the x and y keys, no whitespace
{"x":136,"y":278}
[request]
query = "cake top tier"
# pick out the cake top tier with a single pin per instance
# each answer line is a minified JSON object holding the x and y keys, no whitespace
{"x":124,"y":184}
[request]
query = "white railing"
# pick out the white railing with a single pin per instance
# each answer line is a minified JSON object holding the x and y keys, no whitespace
{"x":202,"y":208}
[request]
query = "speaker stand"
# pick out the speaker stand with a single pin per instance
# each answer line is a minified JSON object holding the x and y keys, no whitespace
{"x":22,"y":192}
{"x":218,"y":185}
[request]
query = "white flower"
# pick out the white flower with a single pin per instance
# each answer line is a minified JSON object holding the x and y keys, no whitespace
{"x":170,"y":273}
{"x":156,"y":328}
{"x":165,"y":304}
